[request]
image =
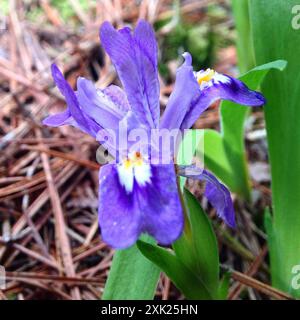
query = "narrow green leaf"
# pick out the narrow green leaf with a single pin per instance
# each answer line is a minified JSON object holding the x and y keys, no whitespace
{"x":244,"y":43}
{"x":197,"y":248}
{"x":275,"y":37}
{"x":184,"y":279}
{"x":132,"y":276}
{"x":273,"y":248}
{"x":224,"y":153}
{"x":224,"y":286}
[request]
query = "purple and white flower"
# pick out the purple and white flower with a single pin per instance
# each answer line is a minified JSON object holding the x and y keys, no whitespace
{"x":135,"y":195}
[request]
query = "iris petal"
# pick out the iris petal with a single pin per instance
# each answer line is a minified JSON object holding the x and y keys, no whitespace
{"x":119,"y":213}
{"x":161,"y":206}
{"x":188,"y":101}
{"x":135,"y":59}
{"x":58,"y":119}
{"x":153,"y":208}
{"x":73,"y":115}
{"x":97,"y":105}
{"x":216,"y":193}
{"x":186,"y":90}
{"x":118,"y":96}
{"x":225,"y":88}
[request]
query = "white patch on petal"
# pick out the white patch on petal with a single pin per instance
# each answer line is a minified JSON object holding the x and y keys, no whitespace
{"x":135,"y":168}
{"x":142,"y":173}
{"x":221,"y":78}
{"x":126,"y":176}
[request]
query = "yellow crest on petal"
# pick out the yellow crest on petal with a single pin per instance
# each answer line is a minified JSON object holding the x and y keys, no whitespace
{"x":127,"y":163}
{"x":205,"y":76}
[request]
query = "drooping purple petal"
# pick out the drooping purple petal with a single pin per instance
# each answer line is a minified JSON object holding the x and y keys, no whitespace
{"x":154,"y":208}
{"x":135,"y":59}
{"x":73,"y":115}
{"x":161,"y":207}
{"x":119,"y":213}
{"x":219,"y":196}
{"x":225,"y":88}
{"x":216,"y":193}
{"x":58,"y":119}
{"x":65,"y":118}
{"x":186,"y":91}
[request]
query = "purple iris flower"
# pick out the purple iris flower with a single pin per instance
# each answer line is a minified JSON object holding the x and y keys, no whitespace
{"x":135,"y":195}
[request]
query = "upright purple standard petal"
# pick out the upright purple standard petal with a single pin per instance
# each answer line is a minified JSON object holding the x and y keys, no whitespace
{"x":185,"y":92}
{"x":225,"y":88}
{"x":153,"y":208}
{"x":216,"y":193}
{"x":135,"y":58}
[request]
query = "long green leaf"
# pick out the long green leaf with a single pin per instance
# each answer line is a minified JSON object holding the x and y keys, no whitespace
{"x":184,"y":279}
{"x":194,"y":264}
{"x":225,"y":152}
{"x":132,"y":276}
{"x":275,"y":38}
{"x":273,"y":248}
{"x":224,"y":286}
{"x":197,"y":248}
{"x":244,"y":43}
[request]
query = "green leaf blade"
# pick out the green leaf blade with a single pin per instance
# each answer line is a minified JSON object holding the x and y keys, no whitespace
{"x":275,"y":38}
{"x":198,"y":250}
{"x":244,"y":43}
{"x":184,"y":279}
{"x":132,"y":276}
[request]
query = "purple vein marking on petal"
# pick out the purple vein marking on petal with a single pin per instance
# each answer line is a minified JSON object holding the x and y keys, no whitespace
{"x":160,"y":204}
{"x":144,"y":37}
{"x":135,"y":71}
{"x":119,"y":214}
{"x":153,"y":208}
